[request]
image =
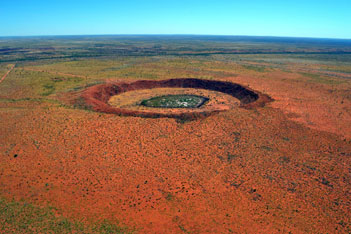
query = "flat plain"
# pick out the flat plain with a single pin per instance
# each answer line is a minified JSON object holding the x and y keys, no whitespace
{"x":284,"y":167}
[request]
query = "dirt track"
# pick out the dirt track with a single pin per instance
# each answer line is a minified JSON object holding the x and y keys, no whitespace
{"x":7,"y":73}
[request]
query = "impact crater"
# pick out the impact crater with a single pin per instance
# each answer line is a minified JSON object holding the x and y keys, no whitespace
{"x":98,"y":98}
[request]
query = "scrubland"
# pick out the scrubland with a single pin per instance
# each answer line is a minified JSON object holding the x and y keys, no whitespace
{"x":281,"y":168}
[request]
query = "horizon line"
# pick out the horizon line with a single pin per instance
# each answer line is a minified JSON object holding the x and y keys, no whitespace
{"x":170,"y":34}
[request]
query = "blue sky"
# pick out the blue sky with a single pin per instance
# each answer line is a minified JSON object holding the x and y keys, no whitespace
{"x":297,"y":18}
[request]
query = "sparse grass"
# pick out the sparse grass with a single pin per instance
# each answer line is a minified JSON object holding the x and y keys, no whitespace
{"x":267,"y":148}
{"x":48,"y":89}
{"x":13,"y":100}
{"x":81,"y":104}
{"x":183,"y":229}
{"x":35,"y":84}
{"x":169,"y":197}
{"x":21,"y":217}
{"x":255,"y":68}
{"x":316,"y":78}
{"x":231,"y":157}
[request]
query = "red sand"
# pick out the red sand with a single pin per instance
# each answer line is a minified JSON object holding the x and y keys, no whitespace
{"x":239,"y":171}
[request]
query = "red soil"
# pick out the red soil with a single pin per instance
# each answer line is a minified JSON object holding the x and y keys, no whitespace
{"x":97,"y":96}
{"x":239,"y":171}
{"x":318,"y":106}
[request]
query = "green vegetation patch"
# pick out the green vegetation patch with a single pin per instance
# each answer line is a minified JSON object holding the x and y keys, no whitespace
{"x":20,"y":217}
{"x":255,"y":68}
{"x":316,"y":78}
{"x":175,"y":101}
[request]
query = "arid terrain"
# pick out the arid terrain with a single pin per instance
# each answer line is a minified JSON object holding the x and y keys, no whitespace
{"x":281,"y":167}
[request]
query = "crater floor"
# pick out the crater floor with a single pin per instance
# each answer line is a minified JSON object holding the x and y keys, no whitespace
{"x":133,"y":99}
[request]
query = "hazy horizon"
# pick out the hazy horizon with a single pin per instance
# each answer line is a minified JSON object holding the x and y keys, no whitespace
{"x":185,"y":35}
